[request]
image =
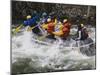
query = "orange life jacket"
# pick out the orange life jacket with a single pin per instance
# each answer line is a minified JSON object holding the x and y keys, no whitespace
{"x":66,"y":29}
{"x":67,"y":25}
{"x":65,"y":32}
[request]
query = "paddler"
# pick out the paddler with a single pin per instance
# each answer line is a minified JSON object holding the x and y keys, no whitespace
{"x":82,"y":32}
{"x":64,"y":30}
{"x":31,"y":22}
{"x":49,"y":26}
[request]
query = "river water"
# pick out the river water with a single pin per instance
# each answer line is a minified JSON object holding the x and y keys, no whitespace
{"x":29,"y":56}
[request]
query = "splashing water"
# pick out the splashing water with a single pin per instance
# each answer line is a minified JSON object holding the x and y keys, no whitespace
{"x":49,"y":58}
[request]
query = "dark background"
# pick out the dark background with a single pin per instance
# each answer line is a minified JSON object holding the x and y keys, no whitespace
{"x":75,"y":13}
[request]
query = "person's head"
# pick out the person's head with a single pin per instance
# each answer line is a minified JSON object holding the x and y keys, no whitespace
{"x":85,"y":28}
{"x":65,"y":20}
{"x":82,"y":25}
{"x":35,"y":12}
{"x":29,"y":17}
{"x":44,"y":14}
{"x":59,"y":22}
{"x":49,"y":20}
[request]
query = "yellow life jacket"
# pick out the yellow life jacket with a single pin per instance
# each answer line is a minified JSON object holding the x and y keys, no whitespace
{"x":55,"y":23}
{"x":58,"y":30}
{"x":59,"y":27}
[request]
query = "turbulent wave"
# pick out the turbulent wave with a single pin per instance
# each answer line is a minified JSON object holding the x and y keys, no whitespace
{"x":29,"y":56}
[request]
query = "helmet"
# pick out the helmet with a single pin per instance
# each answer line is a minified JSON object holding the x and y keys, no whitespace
{"x":60,"y":23}
{"x":35,"y":12}
{"x":84,"y":28}
{"x":28,"y":17}
{"x":44,"y":14}
{"x":65,"y":20}
{"x":49,"y":19}
{"x":82,"y":25}
{"x":85,"y":15}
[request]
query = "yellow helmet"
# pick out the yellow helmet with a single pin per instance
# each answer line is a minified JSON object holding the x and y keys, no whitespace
{"x":65,"y":20}
{"x":82,"y":25}
{"x":29,"y":16}
{"x":49,"y":19}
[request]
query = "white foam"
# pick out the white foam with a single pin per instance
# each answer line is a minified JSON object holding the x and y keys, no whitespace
{"x":47,"y":54}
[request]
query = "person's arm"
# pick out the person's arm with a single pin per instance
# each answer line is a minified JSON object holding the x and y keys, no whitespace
{"x":44,"y":26}
{"x":79,"y":34}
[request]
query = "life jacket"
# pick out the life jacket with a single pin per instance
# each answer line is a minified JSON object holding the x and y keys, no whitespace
{"x":65,"y":31}
{"x":50,"y":28}
{"x":84,"y":34}
{"x":67,"y":25}
{"x":58,"y":27}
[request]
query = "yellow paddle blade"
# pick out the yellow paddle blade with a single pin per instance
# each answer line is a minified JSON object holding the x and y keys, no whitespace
{"x":18,"y":29}
{"x":30,"y":28}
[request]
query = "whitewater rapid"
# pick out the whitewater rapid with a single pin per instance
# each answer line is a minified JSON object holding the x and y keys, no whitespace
{"x":51,"y":57}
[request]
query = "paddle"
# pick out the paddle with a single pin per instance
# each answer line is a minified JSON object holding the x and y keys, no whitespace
{"x":18,"y":28}
{"x":30,"y":28}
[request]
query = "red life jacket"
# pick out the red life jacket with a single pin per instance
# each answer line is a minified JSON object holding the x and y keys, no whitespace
{"x":65,"y":32}
{"x":67,"y":25}
{"x":50,"y":28}
{"x":66,"y":29}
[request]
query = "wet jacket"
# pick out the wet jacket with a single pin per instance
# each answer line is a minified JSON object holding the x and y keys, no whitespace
{"x":84,"y":34}
{"x":31,"y":22}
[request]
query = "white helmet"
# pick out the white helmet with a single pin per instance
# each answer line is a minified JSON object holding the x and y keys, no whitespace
{"x":65,"y":20}
{"x":49,"y":19}
{"x":28,"y":17}
{"x":60,"y":22}
{"x":82,"y":25}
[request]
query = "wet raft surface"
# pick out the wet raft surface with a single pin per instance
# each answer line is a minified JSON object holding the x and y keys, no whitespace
{"x":31,"y":56}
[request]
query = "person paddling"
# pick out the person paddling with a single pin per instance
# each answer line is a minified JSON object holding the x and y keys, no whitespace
{"x":31,"y":22}
{"x":64,"y":30}
{"x":82,"y":32}
{"x":49,"y":27}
